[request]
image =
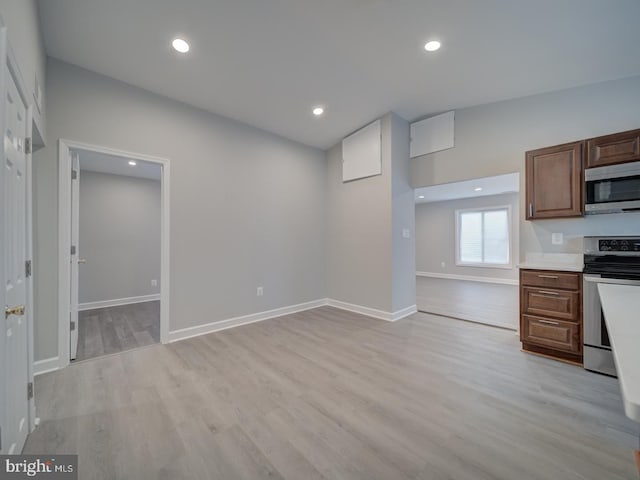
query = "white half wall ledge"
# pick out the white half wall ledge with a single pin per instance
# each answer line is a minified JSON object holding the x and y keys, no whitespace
{"x":469,"y":278}
{"x":116,"y":302}
{"x":46,"y":365}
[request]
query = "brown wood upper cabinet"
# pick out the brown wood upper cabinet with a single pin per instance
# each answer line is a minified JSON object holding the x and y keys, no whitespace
{"x":554,"y":181}
{"x":611,"y":149}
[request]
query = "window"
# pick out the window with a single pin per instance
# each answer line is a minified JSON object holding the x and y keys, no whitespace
{"x":483,"y":237}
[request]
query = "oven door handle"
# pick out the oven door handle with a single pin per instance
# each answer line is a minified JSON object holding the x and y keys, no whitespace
{"x":616,"y":281}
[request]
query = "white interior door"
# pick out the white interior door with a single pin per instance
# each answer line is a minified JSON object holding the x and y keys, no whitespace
{"x":75,"y":237}
{"x":15,"y":362}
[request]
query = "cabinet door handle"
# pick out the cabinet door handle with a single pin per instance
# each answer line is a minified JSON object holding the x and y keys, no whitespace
{"x":531,"y":209}
{"x":545,"y":292}
{"x":548,"y":322}
{"x":548,"y":276}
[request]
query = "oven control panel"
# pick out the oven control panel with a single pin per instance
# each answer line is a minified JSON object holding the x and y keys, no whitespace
{"x":619,"y":244}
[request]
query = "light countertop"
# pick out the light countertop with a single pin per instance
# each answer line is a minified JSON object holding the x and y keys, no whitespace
{"x":621,"y":307}
{"x":568,"y":262}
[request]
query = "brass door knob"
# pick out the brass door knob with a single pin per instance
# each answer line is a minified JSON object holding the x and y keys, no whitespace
{"x":17,"y":310}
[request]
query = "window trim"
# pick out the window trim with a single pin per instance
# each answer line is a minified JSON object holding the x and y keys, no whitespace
{"x":460,"y":263}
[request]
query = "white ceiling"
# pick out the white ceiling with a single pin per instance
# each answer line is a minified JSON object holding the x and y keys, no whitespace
{"x":115,"y":165}
{"x":508,"y":183}
{"x":267,"y":63}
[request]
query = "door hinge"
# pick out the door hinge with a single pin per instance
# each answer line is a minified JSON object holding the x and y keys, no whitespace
{"x":27,"y":145}
{"x":27,"y":268}
{"x":73,"y":326}
{"x":74,"y":174}
{"x":73,"y":249}
{"x":29,"y":390}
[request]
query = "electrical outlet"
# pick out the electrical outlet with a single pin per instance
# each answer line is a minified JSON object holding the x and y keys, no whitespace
{"x":442,"y":264}
{"x":154,"y":283}
{"x":259,"y":291}
{"x":406,"y":233}
{"x":557,"y":238}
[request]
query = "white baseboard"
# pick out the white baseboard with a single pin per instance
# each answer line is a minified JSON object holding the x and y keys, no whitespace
{"x":46,"y":365}
{"x":118,"y":301}
{"x":405,"y":312}
{"x":189,"y":332}
{"x":372,"y":312}
{"x":470,"y":278}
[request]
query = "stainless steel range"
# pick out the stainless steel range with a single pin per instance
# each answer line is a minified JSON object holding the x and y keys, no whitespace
{"x":606,"y":260}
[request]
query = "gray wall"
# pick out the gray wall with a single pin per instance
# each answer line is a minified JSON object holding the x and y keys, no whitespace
{"x":359,"y":237}
{"x":436,"y":237}
{"x":119,"y":236}
{"x":23,"y":29}
{"x":403,"y":216}
{"x":491,"y":140}
{"x":247,"y":207}
{"x":369,"y":263}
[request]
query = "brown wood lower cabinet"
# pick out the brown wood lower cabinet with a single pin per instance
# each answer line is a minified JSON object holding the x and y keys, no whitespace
{"x":554,"y":334}
{"x":551,"y":302}
{"x":547,"y":279}
{"x":551,"y":313}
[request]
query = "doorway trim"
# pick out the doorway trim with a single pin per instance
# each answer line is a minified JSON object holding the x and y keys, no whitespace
{"x":64,"y":239}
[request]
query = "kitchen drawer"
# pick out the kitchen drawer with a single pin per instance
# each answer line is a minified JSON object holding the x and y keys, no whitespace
{"x":561,"y":304}
{"x":551,"y":279}
{"x":554,"y":334}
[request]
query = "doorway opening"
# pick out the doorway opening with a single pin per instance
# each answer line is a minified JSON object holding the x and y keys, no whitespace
{"x":467,"y":250}
{"x":114,"y":244}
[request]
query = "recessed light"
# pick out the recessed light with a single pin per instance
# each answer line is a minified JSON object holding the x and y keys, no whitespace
{"x":132,"y":163}
{"x":432,"y":46}
{"x":478,"y":189}
{"x":317,"y":111}
{"x":180,"y":45}
{"x":421,"y":196}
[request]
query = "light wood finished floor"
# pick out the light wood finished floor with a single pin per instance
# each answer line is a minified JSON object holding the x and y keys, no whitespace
{"x":328,"y":394}
{"x":489,"y":303}
{"x":104,"y":331}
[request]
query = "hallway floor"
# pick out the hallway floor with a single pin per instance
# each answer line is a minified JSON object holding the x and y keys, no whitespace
{"x":104,"y":331}
{"x":488,"y":303}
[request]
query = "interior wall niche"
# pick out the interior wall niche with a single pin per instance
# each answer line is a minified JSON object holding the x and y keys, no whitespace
{"x":361,"y":153}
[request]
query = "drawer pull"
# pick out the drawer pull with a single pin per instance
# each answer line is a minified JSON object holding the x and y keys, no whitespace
{"x":555,"y":277}
{"x":545,"y":292}
{"x":548,"y":322}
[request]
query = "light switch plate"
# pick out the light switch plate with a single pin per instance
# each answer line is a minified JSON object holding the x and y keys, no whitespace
{"x":557,"y":238}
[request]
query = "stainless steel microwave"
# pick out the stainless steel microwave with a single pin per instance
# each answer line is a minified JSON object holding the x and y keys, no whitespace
{"x":612,"y":189}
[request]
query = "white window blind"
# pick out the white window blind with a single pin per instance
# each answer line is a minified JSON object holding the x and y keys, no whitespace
{"x":483,"y":237}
